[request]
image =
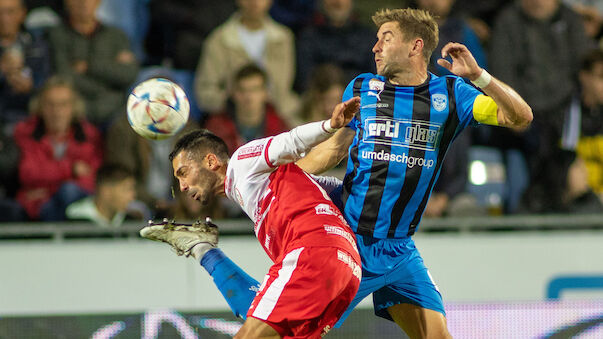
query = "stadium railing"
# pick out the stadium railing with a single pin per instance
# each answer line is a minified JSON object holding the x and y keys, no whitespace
{"x":82,"y":230}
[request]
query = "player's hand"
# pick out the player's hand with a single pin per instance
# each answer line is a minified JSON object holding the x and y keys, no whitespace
{"x":463,"y":63}
{"x":344,"y":112}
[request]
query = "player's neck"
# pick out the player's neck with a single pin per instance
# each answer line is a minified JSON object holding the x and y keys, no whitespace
{"x":220,"y":189}
{"x":409,"y":79}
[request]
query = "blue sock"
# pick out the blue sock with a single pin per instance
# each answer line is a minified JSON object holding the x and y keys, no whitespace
{"x":237,"y":287}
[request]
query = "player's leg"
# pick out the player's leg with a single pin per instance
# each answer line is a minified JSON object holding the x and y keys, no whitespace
{"x":200,"y":240}
{"x":237,"y":287}
{"x":419,"y":322}
{"x":255,"y":328}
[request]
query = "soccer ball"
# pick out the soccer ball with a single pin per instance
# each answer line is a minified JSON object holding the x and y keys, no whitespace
{"x":157,"y":108}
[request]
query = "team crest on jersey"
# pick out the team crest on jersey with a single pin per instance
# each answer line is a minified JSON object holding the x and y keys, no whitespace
{"x":378,"y":86}
{"x":439,"y":101}
{"x":250,"y":151}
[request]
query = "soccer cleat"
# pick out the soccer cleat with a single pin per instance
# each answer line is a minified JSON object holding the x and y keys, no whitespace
{"x":182,"y":237}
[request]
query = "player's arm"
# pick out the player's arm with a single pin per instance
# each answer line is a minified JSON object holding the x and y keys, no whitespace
{"x":291,"y":146}
{"x":328,"y":153}
{"x":503,"y":106}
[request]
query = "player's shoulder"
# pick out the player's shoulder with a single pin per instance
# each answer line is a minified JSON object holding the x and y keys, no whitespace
{"x":359,"y":80}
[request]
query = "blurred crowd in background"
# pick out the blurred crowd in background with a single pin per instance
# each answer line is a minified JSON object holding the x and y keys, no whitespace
{"x":254,"y":68}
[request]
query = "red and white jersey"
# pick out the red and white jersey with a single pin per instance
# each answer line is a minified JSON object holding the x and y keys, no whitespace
{"x":288,"y":207}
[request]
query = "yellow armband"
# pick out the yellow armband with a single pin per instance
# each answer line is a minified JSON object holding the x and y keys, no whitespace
{"x":485,"y":110}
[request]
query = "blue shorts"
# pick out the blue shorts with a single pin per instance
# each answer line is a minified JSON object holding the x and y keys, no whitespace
{"x":393,"y":270}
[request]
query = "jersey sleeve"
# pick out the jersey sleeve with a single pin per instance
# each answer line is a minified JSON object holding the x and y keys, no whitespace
{"x":252,"y":157}
{"x":465,"y":95}
{"x":347,"y":95}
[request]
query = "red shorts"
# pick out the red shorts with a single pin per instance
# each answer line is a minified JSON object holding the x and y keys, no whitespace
{"x":305,"y":294}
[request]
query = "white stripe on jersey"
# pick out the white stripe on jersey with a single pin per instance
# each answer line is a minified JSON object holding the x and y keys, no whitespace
{"x":273,"y":293}
{"x":322,"y":190}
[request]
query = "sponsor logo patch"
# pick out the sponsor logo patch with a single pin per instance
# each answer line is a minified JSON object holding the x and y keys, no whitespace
{"x":250,"y":151}
{"x":401,"y":132}
{"x":376,"y":86}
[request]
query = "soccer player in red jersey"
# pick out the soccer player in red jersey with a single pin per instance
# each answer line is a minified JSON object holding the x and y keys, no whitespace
{"x":316,"y":271}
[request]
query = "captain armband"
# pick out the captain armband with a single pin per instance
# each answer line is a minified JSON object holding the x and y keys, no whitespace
{"x":485,"y":110}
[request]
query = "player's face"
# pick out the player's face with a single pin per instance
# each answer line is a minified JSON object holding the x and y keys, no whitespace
{"x":195,"y":178}
{"x":391,"y":50}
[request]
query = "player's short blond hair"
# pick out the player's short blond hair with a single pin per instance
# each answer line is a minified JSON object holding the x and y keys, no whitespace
{"x":414,"y":23}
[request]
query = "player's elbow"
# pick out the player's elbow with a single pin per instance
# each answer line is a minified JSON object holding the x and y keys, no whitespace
{"x":525,"y":117}
{"x":522,"y":118}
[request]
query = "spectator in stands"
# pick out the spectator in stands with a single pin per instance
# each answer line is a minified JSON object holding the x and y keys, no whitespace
{"x":179,"y":27}
{"x":536,"y":48}
{"x":453,"y":28}
{"x":97,"y":57}
{"x":249,"y":114}
{"x":592,"y":17}
{"x":130,"y":16}
{"x":336,"y":37}
{"x":295,"y":14}
{"x":146,"y":160}
{"x":480,"y":15}
{"x":108,"y":207}
{"x":24,"y":63}
{"x":325,"y":89}
{"x":59,"y":152}
{"x":586,"y":175}
{"x":249,"y":35}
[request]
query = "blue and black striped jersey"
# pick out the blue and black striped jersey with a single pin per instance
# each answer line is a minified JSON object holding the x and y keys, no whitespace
{"x":402,"y":134}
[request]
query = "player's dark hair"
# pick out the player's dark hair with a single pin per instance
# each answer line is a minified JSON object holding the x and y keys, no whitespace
{"x":201,"y":141}
{"x":591,"y":59}
{"x":248,"y":71}
{"x":112,"y":173}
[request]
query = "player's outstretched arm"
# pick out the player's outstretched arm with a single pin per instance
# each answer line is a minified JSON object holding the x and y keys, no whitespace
{"x":291,"y":146}
{"x":512,"y":110}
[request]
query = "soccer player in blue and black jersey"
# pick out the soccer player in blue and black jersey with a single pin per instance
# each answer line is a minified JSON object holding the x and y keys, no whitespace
{"x":396,"y":144}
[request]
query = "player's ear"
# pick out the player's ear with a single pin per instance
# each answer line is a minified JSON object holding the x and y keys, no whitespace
{"x":417,"y":48}
{"x":213,"y":162}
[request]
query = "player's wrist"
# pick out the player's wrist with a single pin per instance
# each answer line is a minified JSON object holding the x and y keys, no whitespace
{"x":326,"y":126}
{"x":483,"y":79}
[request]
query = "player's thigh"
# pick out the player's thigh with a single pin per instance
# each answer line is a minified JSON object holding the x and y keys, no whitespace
{"x":255,"y":328}
{"x":419,"y":322}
